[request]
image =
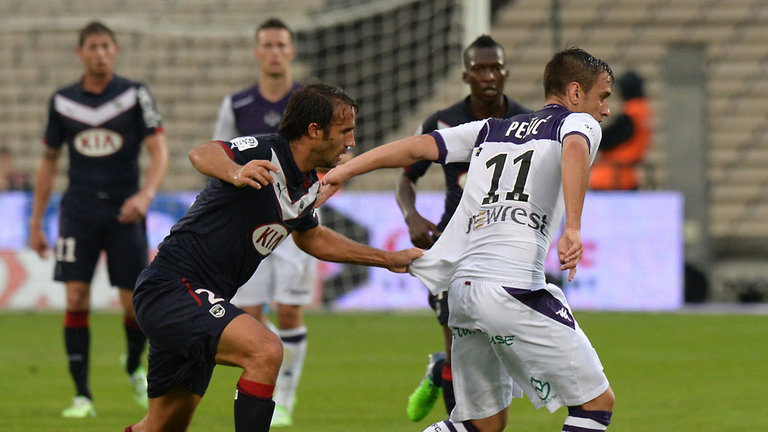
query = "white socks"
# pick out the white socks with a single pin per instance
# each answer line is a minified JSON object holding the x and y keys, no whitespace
{"x":294,"y":353}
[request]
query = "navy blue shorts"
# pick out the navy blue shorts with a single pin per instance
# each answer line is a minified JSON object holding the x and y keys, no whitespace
{"x":183,"y":321}
{"x":439,"y":304}
{"x":87,"y":226}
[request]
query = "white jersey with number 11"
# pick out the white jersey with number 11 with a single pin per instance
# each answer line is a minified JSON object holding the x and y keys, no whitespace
{"x":513,"y":200}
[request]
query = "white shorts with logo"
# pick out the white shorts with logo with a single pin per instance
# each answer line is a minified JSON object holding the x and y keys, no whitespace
{"x":286,"y":276}
{"x":504,"y":336}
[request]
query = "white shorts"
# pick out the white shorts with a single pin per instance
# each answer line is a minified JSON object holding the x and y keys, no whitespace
{"x":501,"y":335}
{"x":286,"y":276}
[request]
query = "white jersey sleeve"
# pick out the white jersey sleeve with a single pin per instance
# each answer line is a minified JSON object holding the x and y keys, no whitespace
{"x":459,"y":141}
{"x":225,"y":128}
{"x":586,"y":126}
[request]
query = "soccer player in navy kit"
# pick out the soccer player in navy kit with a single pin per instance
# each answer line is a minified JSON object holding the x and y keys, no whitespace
{"x":262,"y":189}
{"x":485,"y":72}
{"x":511,"y":329}
{"x":287,"y":276}
{"x":105,"y":120}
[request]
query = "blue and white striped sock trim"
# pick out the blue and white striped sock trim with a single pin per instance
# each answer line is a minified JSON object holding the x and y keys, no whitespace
{"x":447,"y":425}
{"x":580,"y":420}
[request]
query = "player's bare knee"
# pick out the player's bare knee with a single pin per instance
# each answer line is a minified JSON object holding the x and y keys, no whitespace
{"x":609,"y":399}
{"x":273,"y":350}
{"x":604,"y":402}
{"x":265,"y":354}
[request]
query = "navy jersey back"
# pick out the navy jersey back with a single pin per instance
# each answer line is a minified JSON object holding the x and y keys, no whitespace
{"x":227,"y":231}
{"x":103,"y":133}
{"x":455,"y":173}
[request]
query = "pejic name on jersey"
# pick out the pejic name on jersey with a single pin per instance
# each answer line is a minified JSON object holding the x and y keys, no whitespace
{"x":507,"y":213}
{"x":523,"y":129}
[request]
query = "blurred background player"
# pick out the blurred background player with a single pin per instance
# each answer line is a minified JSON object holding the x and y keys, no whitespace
{"x":287,"y":276}
{"x":486,"y":74}
{"x":105,"y":120}
{"x":10,"y":177}
{"x":626,"y":139}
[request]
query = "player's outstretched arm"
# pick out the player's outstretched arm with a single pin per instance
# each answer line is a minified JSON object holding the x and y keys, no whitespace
{"x":328,"y":245}
{"x":400,"y":153}
{"x":211,"y":159}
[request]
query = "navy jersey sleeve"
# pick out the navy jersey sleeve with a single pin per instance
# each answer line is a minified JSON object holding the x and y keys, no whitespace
{"x":54,"y":131}
{"x":153,"y":122}
{"x":247,"y":148}
{"x":418,"y":169}
{"x":308,"y":221}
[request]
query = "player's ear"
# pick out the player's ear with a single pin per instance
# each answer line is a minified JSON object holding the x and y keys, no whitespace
{"x":465,"y":77}
{"x":575,"y":93}
{"x":314,"y":130}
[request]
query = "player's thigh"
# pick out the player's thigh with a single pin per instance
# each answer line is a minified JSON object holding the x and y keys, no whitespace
{"x":544,"y":348}
{"x":77,"y":248}
{"x":184,"y":324}
{"x":481,"y":383}
{"x":127,"y":252}
{"x":247,"y":343}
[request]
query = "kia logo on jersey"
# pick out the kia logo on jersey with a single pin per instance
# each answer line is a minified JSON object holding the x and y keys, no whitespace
{"x":266,"y":237}
{"x":98,"y":142}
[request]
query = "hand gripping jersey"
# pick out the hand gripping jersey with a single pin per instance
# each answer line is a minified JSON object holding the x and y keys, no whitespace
{"x":512,"y":202}
{"x":454,"y":173}
{"x":227,"y":231}
{"x":104,"y":133}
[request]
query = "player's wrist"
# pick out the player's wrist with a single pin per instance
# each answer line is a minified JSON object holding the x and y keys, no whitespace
{"x":410,"y":216}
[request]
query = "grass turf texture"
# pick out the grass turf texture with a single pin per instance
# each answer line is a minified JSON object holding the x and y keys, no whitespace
{"x":670,"y":372}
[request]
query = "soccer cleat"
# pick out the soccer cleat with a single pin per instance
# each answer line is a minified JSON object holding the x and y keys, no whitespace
{"x":281,"y":417}
{"x":423,"y":399}
{"x":82,"y":407}
{"x":139,"y":386}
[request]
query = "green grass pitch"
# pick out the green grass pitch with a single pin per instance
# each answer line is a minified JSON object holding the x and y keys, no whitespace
{"x":670,"y":372}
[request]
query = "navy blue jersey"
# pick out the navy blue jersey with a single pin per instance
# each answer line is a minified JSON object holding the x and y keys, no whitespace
{"x":455,"y":173}
{"x":103,"y":133}
{"x":228,"y":230}
{"x":248,"y":113}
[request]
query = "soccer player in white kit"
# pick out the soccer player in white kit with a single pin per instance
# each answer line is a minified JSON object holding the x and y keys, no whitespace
{"x":508,"y":324}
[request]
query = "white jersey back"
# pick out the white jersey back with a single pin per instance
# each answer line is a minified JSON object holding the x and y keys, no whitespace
{"x":512,"y":203}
